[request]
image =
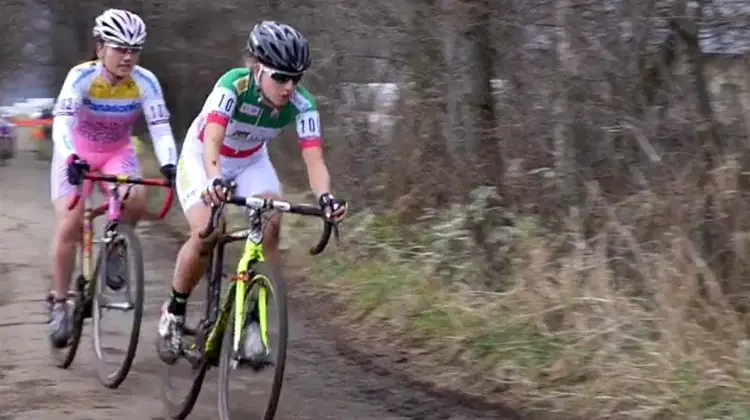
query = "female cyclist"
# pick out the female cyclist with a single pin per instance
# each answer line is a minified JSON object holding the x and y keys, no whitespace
{"x":99,"y":103}
{"x":227,"y":141}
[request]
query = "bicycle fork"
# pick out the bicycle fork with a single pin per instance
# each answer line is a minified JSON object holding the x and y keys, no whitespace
{"x":253,"y":253}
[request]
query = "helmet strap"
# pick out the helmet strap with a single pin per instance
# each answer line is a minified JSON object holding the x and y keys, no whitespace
{"x":256,"y":78}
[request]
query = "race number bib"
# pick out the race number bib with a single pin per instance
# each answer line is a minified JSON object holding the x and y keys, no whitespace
{"x":221,"y":101}
{"x":308,"y":125}
{"x":156,"y":112}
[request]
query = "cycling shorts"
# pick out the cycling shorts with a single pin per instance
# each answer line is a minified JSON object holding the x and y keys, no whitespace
{"x":122,"y":161}
{"x":254,"y":174}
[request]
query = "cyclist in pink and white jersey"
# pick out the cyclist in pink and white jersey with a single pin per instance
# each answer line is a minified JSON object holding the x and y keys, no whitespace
{"x":98,"y":105}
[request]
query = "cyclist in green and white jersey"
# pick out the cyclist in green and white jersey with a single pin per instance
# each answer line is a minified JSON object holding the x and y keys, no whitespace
{"x":227,"y":142}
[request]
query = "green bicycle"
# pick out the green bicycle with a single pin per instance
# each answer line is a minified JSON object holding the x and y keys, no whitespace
{"x":217,"y":338}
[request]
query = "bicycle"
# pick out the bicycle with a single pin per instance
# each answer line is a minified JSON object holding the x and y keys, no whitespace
{"x":250,"y":288}
{"x":87,"y":298}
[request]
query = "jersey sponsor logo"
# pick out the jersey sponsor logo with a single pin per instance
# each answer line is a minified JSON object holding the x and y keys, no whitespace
{"x":249,"y":109}
{"x":242,"y":84}
{"x":241,"y":135}
{"x":244,"y":131}
{"x":299,"y":101}
{"x":120,"y":108}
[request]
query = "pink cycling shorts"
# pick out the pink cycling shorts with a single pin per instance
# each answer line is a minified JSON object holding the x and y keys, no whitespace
{"x":122,"y":161}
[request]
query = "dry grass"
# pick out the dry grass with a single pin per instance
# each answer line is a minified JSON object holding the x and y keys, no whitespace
{"x":563,"y":330}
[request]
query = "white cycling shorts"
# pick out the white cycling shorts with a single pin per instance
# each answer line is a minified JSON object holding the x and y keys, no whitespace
{"x":254,"y":174}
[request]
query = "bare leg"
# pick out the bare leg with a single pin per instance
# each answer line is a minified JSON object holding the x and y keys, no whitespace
{"x":67,"y":236}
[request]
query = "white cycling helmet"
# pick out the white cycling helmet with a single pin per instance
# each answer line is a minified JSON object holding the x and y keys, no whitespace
{"x":120,"y":27}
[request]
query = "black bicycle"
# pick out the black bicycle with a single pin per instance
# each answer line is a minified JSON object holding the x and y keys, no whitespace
{"x":216,"y":339}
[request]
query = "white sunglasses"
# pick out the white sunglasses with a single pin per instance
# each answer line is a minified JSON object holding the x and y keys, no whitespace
{"x":124,"y":49}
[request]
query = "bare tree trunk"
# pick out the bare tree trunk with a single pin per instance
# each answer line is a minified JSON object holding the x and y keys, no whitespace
{"x":707,"y":132}
{"x":564,"y":153}
{"x":491,"y":166}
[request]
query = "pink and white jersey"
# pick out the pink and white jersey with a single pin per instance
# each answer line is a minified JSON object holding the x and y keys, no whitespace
{"x":94,"y":115}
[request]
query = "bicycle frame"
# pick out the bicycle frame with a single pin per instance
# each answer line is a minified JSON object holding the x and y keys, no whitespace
{"x":113,"y":209}
{"x":252,"y":253}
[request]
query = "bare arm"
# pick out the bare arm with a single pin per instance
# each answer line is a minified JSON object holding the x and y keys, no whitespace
{"x":308,"y":130}
{"x":317,"y":171}
{"x":213,"y":138}
{"x":219,"y":108}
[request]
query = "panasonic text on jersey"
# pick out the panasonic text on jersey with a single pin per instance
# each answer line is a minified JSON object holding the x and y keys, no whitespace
{"x":110,"y":107}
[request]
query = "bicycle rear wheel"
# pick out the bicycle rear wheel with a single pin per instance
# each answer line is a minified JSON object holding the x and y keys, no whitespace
{"x":178,"y":405}
{"x":125,"y":239}
{"x":268,"y":277}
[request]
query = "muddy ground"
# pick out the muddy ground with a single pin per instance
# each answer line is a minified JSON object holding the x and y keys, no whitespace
{"x":320,"y":382}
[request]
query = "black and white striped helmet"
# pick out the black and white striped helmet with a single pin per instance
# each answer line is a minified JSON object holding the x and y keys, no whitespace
{"x":120,"y":27}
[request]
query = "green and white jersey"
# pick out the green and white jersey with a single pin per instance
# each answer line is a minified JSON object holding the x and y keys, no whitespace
{"x":235,"y":103}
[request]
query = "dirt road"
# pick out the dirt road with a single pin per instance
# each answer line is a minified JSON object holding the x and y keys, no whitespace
{"x":319,"y":383}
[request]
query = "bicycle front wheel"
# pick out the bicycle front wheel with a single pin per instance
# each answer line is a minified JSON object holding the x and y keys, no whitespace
{"x":268,"y":289}
{"x":116,"y":357}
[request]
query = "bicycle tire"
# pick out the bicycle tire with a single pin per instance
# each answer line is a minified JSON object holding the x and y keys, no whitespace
{"x":64,"y":357}
{"x":181,"y":409}
{"x":135,"y":270}
{"x":279,"y":293}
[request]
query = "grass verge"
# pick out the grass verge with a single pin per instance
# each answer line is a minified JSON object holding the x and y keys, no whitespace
{"x":612,"y":326}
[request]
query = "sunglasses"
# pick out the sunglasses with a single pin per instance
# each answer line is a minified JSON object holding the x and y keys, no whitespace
{"x":125,"y":49}
{"x":281,"y":77}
